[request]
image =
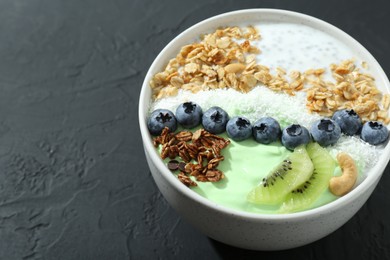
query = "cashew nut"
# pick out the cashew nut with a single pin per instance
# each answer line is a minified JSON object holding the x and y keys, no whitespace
{"x":341,"y":185}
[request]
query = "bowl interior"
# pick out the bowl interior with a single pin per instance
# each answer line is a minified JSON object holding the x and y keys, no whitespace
{"x":250,"y":17}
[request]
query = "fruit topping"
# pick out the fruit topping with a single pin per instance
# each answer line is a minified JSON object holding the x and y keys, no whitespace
{"x":189,"y":114}
{"x":341,"y":185}
{"x":349,"y":122}
{"x":159,"y":119}
{"x":374,"y":132}
{"x":287,"y":176}
{"x":266,"y":130}
{"x":325,"y":131}
{"x":307,"y":193}
{"x":239,"y":128}
{"x":214,"y":120}
{"x":295,"y":135}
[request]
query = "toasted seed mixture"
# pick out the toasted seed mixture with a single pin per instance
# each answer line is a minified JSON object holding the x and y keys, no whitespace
{"x":201,"y":147}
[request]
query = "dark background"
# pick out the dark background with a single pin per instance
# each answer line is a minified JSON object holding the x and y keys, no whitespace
{"x":74,"y":183}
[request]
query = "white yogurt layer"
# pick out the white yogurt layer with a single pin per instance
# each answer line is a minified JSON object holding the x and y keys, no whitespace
{"x":298,"y":47}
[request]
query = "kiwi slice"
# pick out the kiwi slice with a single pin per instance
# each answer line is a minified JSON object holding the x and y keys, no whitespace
{"x":306,"y":194}
{"x":287,"y":176}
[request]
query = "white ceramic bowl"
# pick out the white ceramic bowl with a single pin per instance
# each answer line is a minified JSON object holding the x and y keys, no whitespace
{"x":250,"y":230}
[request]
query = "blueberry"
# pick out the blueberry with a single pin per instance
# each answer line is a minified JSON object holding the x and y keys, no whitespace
{"x":159,"y":119}
{"x":214,"y":120}
{"x":325,"y":131}
{"x":349,"y":122}
{"x":189,"y":114}
{"x":266,"y":130}
{"x":239,"y":128}
{"x":374,"y":133}
{"x":295,"y":135}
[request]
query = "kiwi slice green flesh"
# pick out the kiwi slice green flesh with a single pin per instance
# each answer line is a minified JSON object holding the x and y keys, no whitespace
{"x":304,"y":196}
{"x":287,"y":176}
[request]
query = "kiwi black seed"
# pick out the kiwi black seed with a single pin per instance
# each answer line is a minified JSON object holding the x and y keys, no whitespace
{"x":280,"y":172}
{"x":308,"y":192}
{"x":287,"y":176}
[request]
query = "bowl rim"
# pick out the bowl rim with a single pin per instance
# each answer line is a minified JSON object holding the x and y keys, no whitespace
{"x":374,"y":174}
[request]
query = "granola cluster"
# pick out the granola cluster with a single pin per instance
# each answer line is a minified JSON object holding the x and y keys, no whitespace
{"x":201,"y":151}
{"x":352,"y":89}
{"x":227,"y":59}
{"x":217,"y":61}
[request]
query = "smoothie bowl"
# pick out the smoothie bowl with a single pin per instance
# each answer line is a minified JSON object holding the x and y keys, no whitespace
{"x":265,"y":129}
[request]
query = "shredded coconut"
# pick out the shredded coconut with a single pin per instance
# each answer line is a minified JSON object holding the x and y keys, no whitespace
{"x":261,"y":102}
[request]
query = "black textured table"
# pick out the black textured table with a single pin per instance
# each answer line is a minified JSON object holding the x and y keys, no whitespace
{"x":74,"y":183}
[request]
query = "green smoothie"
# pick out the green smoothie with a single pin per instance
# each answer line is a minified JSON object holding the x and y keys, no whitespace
{"x":246,"y":164}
